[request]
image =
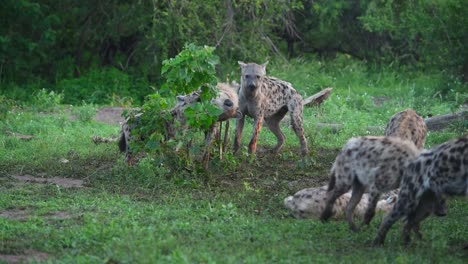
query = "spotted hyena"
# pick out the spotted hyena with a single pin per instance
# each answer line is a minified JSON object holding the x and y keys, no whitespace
{"x":226,"y":100}
{"x":310,"y":202}
{"x":267,"y":98}
{"x":407,"y":125}
{"x":442,"y":170}
{"x":367,"y":164}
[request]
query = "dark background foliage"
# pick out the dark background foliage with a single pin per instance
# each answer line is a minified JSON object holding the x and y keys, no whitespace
{"x":94,"y":49}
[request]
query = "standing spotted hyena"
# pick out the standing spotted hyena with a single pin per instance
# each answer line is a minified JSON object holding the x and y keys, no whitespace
{"x":372,"y":164}
{"x":442,"y":170}
{"x":407,"y":125}
{"x":267,"y":98}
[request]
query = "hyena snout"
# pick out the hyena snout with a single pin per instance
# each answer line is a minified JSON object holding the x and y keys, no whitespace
{"x":228,"y":104}
{"x":252,"y":86}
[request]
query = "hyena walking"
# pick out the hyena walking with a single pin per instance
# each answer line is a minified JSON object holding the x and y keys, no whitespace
{"x":267,"y":98}
{"x":372,"y":164}
{"x":407,"y":125}
{"x":435,"y":172}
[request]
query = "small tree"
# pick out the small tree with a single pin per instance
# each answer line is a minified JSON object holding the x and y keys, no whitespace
{"x":191,"y":70}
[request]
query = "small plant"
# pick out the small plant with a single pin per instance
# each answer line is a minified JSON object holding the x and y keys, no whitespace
{"x":6,"y":105}
{"x":85,"y":112}
{"x":47,"y":101}
{"x":191,"y":70}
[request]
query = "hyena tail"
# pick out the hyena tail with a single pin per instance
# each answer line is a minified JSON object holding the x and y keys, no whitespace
{"x":122,"y":142}
{"x":332,"y":182}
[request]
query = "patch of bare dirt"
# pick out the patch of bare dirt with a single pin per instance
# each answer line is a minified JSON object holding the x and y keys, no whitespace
{"x":26,"y":256}
{"x":110,"y":115}
{"x":62,"y":182}
{"x":24,"y":213}
{"x":20,"y":213}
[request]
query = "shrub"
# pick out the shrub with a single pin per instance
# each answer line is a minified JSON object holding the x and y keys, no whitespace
{"x":46,"y":101}
{"x":85,"y":112}
{"x":101,"y":87}
{"x":190,"y":70}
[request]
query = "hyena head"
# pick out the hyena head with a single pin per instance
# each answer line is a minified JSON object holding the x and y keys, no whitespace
{"x":408,"y":125}
{"x":227,"y":100}
{"x":187,"y":100}
{"x":252,"y":76}
{"x":184,"y":101}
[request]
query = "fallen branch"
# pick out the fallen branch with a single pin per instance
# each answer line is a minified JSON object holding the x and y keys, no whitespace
{"x":441,"y":122}
{"x":435,"y":123}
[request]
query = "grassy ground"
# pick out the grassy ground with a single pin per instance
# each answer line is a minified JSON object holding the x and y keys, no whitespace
{"x":231,"y":214}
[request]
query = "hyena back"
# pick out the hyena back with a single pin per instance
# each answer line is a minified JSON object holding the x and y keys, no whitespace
{"x":267,"y":98}
{"x":442,"y":170}
{"x":372,"y":164}
{"x":407,"y":125}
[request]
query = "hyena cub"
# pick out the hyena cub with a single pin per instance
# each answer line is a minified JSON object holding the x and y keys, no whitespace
{"x":442,"y":170}
{"x":372,"y":164}
{"x":407,"y":125}
{"x":310,"y":202}
{"x":226,"y":100}
{"x":267,"y":98}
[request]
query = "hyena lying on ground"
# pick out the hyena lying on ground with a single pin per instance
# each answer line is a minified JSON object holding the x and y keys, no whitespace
{"x":442,"y":170}
{"x":226,"y":100}
{"x":407,"y":125}
{"x":267,"y":98}
{"x":310,"y":202}
{"x":372,"y":164}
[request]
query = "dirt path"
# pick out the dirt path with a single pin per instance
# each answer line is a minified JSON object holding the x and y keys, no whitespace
{"x":110,"y":115}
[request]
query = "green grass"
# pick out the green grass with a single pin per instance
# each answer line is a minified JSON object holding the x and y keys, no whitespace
{"x":231,"y":214}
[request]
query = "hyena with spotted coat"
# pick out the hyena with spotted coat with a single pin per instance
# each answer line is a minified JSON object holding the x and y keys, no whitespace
{"x":310,"y":202}
{"x":267,"y":98}
{"x":407,"y":125}
{"x":442,"y":170}
{"x":227,"y":101}
{"x":367,"y":164}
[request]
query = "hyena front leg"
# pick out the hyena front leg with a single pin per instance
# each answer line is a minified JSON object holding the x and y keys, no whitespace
{"x":400,"y":209}
{"x":256,"y":131}
{"x":238,"y":137}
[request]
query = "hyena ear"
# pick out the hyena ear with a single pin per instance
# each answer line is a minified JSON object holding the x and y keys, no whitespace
{"x":265,"y":64}
{"x":180,"y":98}
{"x":242,"y":64}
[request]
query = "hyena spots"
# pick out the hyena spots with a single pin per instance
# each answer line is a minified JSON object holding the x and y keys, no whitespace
{"x":371,"y":164}
{"x":267,"y":98}
{"x":407,"y":125}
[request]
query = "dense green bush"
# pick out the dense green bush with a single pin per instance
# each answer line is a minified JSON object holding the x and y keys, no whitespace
{"x":192,"y":69}
{"x":126,"y":42}
{"x":101,"y":87}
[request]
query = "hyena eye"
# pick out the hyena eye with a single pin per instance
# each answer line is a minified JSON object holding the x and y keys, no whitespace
{"x":258,"y":76}
{"x":246,"y":76}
